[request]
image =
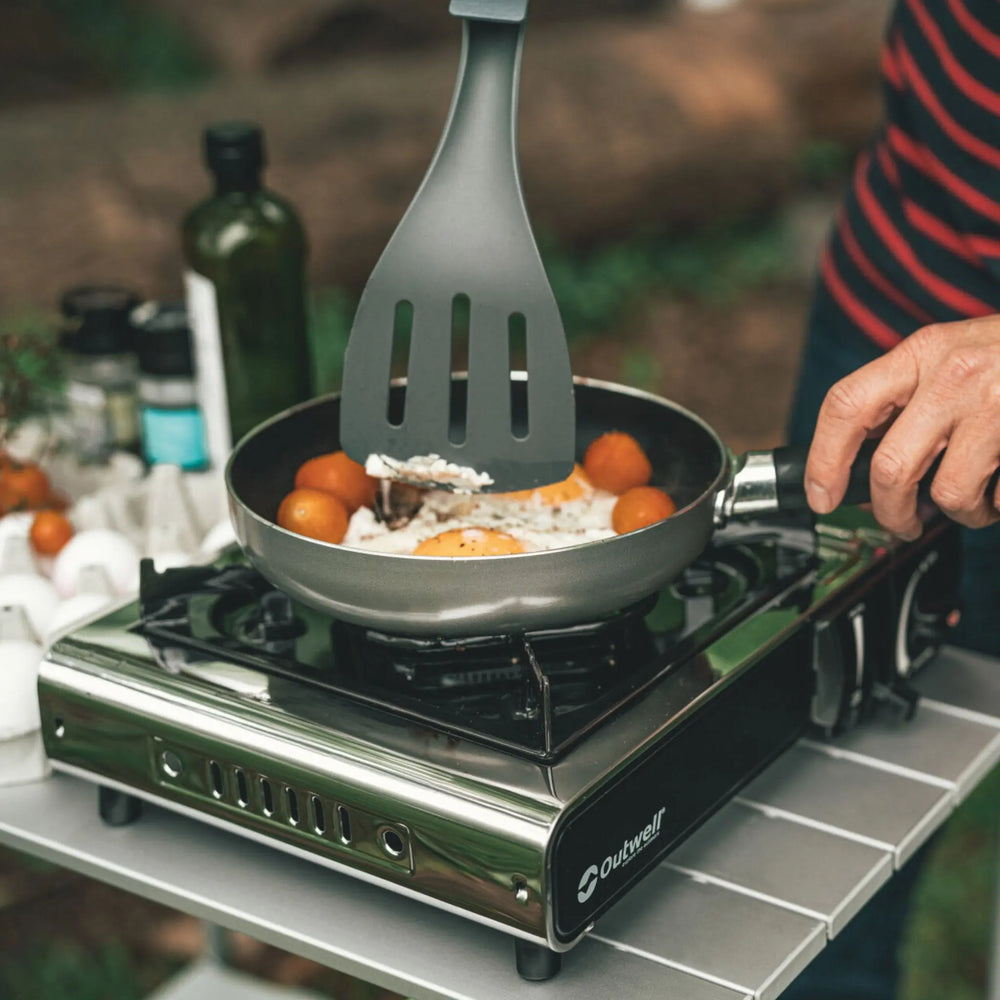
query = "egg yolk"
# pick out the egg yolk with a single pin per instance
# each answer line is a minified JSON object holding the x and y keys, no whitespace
{"x":574,"y":486}
{"x":466,"y":542}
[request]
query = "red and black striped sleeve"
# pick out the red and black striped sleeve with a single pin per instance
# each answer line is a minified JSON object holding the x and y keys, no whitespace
{"x":917,"y":240}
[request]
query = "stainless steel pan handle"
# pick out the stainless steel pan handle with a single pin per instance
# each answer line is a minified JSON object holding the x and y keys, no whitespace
{"x":766,"y":482}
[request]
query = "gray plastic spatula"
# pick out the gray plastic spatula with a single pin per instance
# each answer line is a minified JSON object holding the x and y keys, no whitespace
{"x":467,"y":234}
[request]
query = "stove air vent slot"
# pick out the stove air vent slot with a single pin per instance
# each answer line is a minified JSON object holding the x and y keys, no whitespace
{"x":319,"y":815}
{"x":267,"y":794}
{"x":292,"y":801}
{"x":242,"y":788}
{"x":344,"y":819}
{"x":216,"y":778}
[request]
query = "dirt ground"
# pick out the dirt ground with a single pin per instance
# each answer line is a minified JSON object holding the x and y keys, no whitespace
{"x":734,"y":365}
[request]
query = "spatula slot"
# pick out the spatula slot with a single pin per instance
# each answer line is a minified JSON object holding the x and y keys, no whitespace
{"x":461,"y":320}
{"x":402,"y":337}
{"x":517,"y":331}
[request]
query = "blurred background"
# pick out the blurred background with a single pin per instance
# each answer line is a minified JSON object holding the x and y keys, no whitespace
{"x":682,"y":160}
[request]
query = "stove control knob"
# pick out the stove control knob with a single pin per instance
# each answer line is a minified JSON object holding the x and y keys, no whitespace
{"x":839,"y":665}
{"x":927,"y":613}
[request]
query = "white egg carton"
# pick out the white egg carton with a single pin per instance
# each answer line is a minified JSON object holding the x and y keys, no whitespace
{"x":172,"y":517}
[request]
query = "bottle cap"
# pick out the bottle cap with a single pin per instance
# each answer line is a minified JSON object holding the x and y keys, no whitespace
{"x":234,"y":147}
{"x":163,"y":339}
{"x":97,"y":319}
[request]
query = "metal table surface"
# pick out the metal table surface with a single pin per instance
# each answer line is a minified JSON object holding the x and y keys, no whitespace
{"x":737,"y":911}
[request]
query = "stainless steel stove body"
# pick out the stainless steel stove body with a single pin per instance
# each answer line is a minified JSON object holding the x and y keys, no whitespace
{"x":520,"y":781}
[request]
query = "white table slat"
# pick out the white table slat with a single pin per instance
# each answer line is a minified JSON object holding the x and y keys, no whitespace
{"x":736,"y":849}
{"x":732,"y":938}
{"x":852,"y":800}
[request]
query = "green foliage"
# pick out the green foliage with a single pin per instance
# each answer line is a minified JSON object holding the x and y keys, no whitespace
{"x":137,"y":48}
{"x":716,"y":266}
{"x":329,"y":329}
{"x":823,"y":162}
{"x":66,"y":971}
{"x":30,"y":369}
{"x":595,"y":290}
{"x":641,"y":369}
{"x":948,"y":941}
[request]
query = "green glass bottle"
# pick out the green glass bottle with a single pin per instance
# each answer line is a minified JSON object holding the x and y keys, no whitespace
{"x":245,"y":251}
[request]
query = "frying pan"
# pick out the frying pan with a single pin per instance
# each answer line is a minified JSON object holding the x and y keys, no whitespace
{"x":420,"y":596}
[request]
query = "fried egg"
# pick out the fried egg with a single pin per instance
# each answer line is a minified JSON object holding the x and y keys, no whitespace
{"x":551,"y":517}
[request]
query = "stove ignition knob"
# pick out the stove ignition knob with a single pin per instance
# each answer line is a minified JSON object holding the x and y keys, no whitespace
{"x":926,"y":616}
{"x":839,"y":665}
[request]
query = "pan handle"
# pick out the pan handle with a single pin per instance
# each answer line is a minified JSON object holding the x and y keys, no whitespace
{"x":766,"y":482}
{"x":790,"y":473}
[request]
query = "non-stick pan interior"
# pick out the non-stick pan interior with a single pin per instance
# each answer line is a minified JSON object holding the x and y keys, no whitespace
{"x":686,"y":456}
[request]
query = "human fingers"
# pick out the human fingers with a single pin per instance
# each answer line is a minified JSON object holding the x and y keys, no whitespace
{"x":969,"y":463}
{"x":855,"y":406}
{"x":902,"y":459}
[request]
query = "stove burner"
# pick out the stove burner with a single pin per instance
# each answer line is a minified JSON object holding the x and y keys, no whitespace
{"x":536,"y":693}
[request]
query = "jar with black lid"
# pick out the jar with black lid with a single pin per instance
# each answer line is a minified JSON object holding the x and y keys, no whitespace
{"x":173,"y":431}
{"x":99,"y":345}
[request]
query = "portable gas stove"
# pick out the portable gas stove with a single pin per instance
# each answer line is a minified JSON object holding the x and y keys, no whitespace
{"x":523,"y":781}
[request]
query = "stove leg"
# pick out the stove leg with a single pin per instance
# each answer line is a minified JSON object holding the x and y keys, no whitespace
{"x":535,"y":962}
{"x":117,"y":808}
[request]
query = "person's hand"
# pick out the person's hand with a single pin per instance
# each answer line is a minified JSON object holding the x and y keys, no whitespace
{"x":939,"y":390}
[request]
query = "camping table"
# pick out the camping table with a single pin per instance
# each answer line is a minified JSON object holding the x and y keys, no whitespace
{"x":738,"y":911}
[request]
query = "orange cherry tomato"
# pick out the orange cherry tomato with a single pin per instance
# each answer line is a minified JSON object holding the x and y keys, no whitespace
{"x":615,"y":462}
{"x":23,"y":486}
{"x":343,"y":477}
{"x":50,"y":531}
{"x":639,"y":507}
{"x":314,"y":514}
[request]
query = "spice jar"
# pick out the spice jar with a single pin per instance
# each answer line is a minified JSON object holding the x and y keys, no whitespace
{"x":173,"y":431}
{"x":101,"y":370}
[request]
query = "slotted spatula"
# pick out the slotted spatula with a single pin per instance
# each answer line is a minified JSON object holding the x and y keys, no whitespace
{"x":467,"y":233}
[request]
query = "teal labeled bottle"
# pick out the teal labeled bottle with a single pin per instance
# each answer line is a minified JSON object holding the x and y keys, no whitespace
{"x":245,"y":254}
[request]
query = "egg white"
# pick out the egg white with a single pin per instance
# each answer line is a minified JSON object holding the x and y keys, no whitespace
{"x":536,"y":525}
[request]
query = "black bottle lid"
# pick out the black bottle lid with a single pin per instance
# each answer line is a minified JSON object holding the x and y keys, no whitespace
{"x":163,"y":339}
{"x":97,"y":320}
{"x":235,"y":149}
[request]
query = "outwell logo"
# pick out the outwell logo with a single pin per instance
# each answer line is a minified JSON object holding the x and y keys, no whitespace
{"x":588,"y":883}
{"x":629,"y":851}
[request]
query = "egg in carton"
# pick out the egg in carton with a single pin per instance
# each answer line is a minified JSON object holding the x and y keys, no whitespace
{"x":22,"y":755}
{"x":32,"y":615}
{"x":171,"y":517}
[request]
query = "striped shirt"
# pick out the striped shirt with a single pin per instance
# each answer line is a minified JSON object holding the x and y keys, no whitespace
{"x":917,"y":240}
